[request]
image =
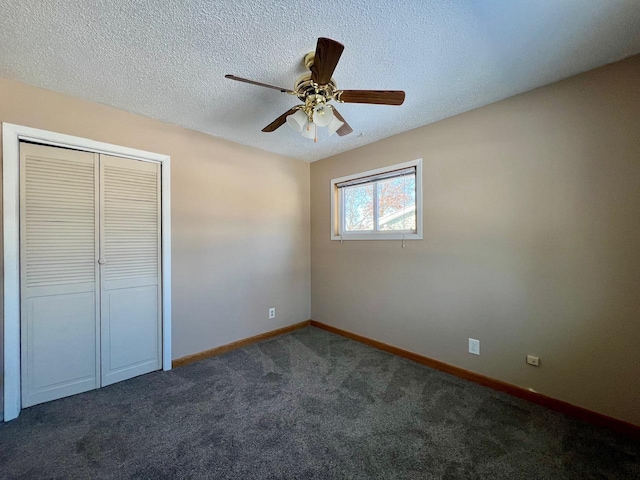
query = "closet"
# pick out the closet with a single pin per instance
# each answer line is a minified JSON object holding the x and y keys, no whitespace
{"x":90,"y":272}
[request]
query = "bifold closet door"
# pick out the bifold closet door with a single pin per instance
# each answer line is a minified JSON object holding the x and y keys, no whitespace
{"x":90,"y":271}
{"x":130,"y":268}
{"x":59,"y":276}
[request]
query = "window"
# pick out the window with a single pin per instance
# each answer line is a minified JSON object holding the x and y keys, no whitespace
{"x":382,"y":204}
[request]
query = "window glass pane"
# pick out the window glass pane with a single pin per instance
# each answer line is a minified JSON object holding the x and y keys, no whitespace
{"x":358,"y":208}
{"x":397,"y":203}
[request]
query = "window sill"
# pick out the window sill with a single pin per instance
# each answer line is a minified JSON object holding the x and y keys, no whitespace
{"x":378,"y":236}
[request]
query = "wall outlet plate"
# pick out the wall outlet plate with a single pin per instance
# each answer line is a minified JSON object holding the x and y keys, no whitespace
{"x":474,"y":346}
{"x":272,"y":312}
{"x":533,"y":360}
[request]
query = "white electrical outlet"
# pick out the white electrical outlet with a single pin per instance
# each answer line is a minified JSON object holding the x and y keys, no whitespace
{"x":474,"y":346}
{"x":535,"y":361}
{"x":272,"y":312}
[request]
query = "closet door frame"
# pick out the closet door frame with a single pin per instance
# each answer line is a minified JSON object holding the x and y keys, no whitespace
{"x":12,"y":135}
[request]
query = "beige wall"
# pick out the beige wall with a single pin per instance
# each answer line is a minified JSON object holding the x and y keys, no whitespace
{"x":240,"y":217}
{"x":531,"y":243}
{"x":532,"y":229}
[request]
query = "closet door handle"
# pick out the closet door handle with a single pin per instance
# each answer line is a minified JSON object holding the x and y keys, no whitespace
{"x":102,"y":261}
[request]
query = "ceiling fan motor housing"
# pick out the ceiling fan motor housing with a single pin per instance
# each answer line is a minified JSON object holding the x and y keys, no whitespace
{"x":305,"y":87}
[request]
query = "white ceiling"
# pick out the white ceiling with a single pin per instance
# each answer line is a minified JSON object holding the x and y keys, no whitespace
{"x":166,"y":59}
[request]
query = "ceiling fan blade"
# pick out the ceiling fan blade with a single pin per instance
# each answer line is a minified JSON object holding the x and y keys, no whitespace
{"x":252,"y":82}
{"x":326,"y":58}
{"x":344,"y":129}
{"x":379,"y":97}
{"x":278,"y":122}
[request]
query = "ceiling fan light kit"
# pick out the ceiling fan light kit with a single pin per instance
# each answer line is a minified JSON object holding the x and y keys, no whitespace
{"x":297,"y":121}
{"x":316,"y":89}
{"x":310,"y":131}
{"x":321,"y":116}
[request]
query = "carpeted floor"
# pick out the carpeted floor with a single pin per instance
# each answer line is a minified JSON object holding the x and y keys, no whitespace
{"x":307,"y":405}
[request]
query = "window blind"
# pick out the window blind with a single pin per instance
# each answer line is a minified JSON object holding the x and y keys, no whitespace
{"x":375,"y":178}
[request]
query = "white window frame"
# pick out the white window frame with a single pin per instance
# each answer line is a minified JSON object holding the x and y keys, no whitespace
{"x":337,"y":207}
{"x":11,"y":137}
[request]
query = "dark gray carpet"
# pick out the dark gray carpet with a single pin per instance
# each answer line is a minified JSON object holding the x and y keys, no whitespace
{"x":306,"y":405}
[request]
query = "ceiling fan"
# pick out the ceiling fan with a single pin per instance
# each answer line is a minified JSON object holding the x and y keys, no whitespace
{"x":316,"y":89}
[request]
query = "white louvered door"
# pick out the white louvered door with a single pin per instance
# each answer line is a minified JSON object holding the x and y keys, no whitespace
{"x":59,"y":278}
{"x":130,"y":268}
{"x":90,"y":271}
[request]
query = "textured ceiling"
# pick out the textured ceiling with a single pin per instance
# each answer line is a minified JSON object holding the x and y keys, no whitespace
{"x":166,"y":59}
